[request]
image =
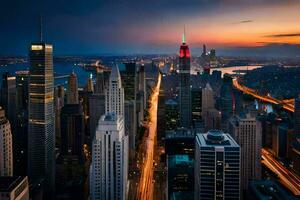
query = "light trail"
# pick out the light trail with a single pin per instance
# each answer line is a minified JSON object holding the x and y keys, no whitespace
{"x":286,"y":177}
{"x":145,"y":187}
{"x":286,"y":104}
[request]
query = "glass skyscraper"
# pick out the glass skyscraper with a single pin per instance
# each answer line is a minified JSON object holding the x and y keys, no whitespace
{"x":41,"y":128}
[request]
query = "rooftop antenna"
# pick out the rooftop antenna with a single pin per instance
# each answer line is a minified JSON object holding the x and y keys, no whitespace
{"x":183,"y":36}
{"x":41,"y":28}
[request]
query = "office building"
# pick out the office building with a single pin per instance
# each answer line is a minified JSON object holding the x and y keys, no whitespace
{"x":227,"y":104}
{"x":21,"y":127}
{"x":72,"y":91}
{"x":247,"y":132}
{"x":14,"y":188}
{"x":90,"y":84}
{"x":41,"y":127}
{"x":108,"y":172}
{"x":129,"y":82}
{"x":297,"y":124}
{"x":96,"y":110}
{"x":208,"y":101}
{"x":130,"y":125}
{"x":212,"y":119}
{"x":6,"y":146}
{"x":72,"y":130}
{"x":8,"y":97}
{"x":217,"y":166}
{"x":196,"y":105}
{"x":59,"y":95}
{"x":171,"y":114}
{"x":114,"y":99}
{"x":185,"y":91}
{"x":179,"y":148}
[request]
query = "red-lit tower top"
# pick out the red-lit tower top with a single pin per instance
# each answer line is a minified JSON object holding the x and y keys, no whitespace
{"x":184,"y":48}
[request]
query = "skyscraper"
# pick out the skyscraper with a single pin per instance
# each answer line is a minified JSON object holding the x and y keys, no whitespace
{"x":109,"y":167}
{"x":41,"y":127}
{"x":247,"y":132}
{"x":8,"y":97}
{"x":129,"y":81}
{"x":196,"y":105}
{"x":97,"y":100}
{"x":90,"y":84}
{"x":72,"y":130}
{"x":217,"y":166}
{"x":227,"y":101}
{"x":208,"y":101}
{"x":21,"y":129}
{"x":114,"y":99}
{"x":180,"y":160}
{"x":72,"y":91}
{"x":6,"y":147}
{"x":185,"y":91}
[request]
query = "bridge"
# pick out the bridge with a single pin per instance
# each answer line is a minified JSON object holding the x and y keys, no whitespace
{"x":287,"y":104}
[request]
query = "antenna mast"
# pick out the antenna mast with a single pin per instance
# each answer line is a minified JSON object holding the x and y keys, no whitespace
{"x":41,"y":28}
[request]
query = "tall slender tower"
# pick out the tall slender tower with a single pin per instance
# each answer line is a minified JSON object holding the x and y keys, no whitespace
{"x":185,"y":91}
{"x":41,"y":126}
{"x":109,"y":167}
{"x":247,"y":132}
{"x":6,"y":148}
{"x":72,"y":92}
{"x":114,"y":99}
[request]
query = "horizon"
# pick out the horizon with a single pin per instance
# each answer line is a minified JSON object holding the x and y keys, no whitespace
{"x":139,"y":27}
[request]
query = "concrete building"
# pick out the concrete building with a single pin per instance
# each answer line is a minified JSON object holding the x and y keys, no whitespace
{"x":217,"y":166}
{"x":247,"y":132}
{"x":72,"y":91}
{"x":14,"y":188}
{"x":21,"y":127}
{"x":108,"y":172}
{"x":114,"y":99}
{"x":6,"y":146}
{"x":72,"y":130}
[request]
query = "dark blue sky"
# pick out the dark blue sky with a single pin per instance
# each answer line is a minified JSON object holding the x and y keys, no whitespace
{"x":95,"y":27}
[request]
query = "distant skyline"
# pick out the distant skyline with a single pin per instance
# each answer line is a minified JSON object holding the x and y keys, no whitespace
{"x":233,"y":27}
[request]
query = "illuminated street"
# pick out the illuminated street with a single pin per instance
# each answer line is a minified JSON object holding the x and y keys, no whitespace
{"x":145,"y":186}
{"x":287,"y":178}
{"x":287,"y":104}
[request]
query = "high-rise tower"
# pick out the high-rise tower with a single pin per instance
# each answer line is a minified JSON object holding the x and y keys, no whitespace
{"x":72,"y":92}
{"x":114,"y":99}
{"x":185,"y":91}
{"x":217,"y":166}
{"x":247,"y":132}
{"x":41,"y":127}
{"x":6,"y":148}
{"x":109,"y":167}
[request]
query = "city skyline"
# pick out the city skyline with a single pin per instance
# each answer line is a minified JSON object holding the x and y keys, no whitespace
{"x":138,"y":27}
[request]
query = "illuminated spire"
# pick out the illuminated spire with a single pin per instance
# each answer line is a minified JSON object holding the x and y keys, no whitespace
{"x":183,"y":36}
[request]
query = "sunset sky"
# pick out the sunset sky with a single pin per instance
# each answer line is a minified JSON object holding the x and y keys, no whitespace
{"x":137,"y":26}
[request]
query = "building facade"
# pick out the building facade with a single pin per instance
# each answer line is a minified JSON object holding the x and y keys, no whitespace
{"x":6,"y":146}
{"x":217,"y":166}
{"x":185,"y":84}
{"x":247,"y":132}
{"x":114,"y":99}
{"x":108,"y":172}
{"x":41,"y":127}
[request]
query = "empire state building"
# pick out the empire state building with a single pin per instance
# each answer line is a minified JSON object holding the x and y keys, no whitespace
{"x":185,"y":93}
